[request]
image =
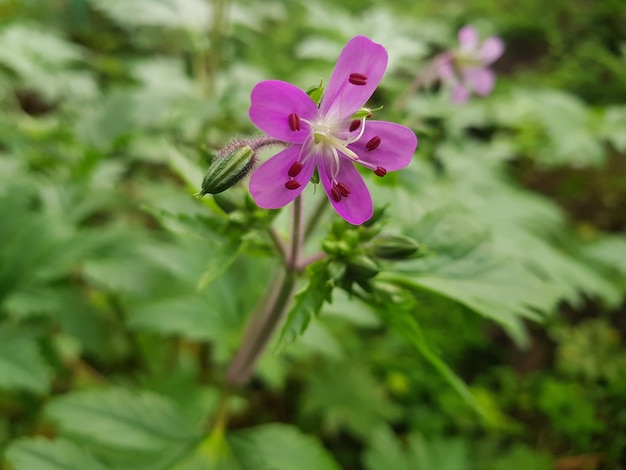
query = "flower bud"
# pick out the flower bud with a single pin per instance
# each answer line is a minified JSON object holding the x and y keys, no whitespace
{"x":228,"y":168}
{"x":362,"y":267}
{"x":396,"y":247}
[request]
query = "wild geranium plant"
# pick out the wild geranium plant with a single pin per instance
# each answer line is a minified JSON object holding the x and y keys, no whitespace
{"x":325,"y":132}
{"x":142,"y":329}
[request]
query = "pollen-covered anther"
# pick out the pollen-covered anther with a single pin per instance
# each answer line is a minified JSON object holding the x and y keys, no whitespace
{"x":335,"y":193}
{"x":343,"y":189}
{"x":294,"y":122}
{"x":380,"y":171}
{"x":373,"y":143}
{"x":358,"y":79}
{"x":294,"y":170}
{"x":292,"y":184}
{"x":354,"y":125}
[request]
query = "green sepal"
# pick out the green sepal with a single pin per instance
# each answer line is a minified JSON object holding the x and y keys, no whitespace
{"x":316,"y":93}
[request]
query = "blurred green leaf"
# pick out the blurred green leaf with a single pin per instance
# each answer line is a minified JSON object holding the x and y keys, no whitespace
{"x":185,"y":14}
{"x":465,"y":267}
{"x":279,"y":447}
{"x":417,"y":454}
{"x":612,"y":127}
{"x":22,"y":366}
{"x":42,"y":59}
{"x":44,"y":454}
{"x":347,"y":397}
{"x":118,"y":418}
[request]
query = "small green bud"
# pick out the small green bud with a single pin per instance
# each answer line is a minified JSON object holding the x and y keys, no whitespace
{"x":228,"y":169}
{"x":395,"y":247}
{"x":363,"y":267}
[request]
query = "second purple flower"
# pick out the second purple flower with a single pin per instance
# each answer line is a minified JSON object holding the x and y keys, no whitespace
{"x":329,"y":137}
{"x":467,"y":68}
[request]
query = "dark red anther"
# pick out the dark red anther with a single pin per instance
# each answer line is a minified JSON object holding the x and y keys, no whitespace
{"x":292,"y":184}
{"x":343,"y":189}
{"x":380,"y":171}
{"x":355,"y":125}
{"x":358,"y":79}
{"x":335,"y":193}
{"x":294,"y":122}
{"x":295,"y":169}
{"x":373,"y":143}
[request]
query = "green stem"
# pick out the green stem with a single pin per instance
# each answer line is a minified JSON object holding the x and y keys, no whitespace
{"x":315,"y":217}
{"x":296,"y":235}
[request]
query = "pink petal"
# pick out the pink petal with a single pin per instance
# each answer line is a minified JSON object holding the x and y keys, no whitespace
{"x":272,"y":102}
{"x":267,"y":184}
{"x":357,"y":207}
{"x":460,"y":94}
{"x":468,"y":38}
{"x":480,"y":79}
{"x":491,"y":50}
{"x":445,"y":70}
{"x":362,"y":56}
{"x":396,"y":148}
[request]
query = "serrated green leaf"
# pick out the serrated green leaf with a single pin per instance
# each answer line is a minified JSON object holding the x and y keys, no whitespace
{"x":307,"y":303}
{"x":279,"y":447}
{"x":41,"y":59}
{"x":196,"y":317}
{"x":417,"y":453}
{"x":465,"y":267}
{"x":348,"y":397}
{"x":613,"y":127}
{"x":45,"y":454}
{"x":121,"y":419}
{"x":384,"y":451}
{"x":22,"y":367}
{"x":439,"y":453}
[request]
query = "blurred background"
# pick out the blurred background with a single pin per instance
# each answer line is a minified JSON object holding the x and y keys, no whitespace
{"x":123,"y":298}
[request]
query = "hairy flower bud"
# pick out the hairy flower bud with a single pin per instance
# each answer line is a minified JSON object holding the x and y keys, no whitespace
{"x":228,"y":168}
{"x":396,"y":247}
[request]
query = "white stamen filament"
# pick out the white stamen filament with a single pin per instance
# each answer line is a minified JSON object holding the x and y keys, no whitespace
{"x":325,"y":135}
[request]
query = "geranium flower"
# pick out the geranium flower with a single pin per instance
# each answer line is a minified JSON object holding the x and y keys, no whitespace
{"x":467,"y":68}
{"x":329,"y":137}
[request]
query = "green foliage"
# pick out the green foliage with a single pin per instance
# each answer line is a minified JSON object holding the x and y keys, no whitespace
{"x":307,"y":303}
{"x":119,"y":418}
{"x":22,"y":366}
{"x":469,"y":316}
{"x":45,"y":454}
{"x":348,"y":398}
{"x":280,"y":447}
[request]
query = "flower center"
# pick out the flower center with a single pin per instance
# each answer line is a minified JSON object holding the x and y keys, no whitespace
{"x":329,"y":139}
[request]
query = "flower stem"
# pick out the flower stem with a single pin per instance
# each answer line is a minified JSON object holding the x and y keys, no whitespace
{"x":315,"y":217}
{"x":261,"y":327}
{"x":426,"y":77}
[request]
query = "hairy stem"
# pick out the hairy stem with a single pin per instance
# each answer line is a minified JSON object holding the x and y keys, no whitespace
{"x":262,"y":326}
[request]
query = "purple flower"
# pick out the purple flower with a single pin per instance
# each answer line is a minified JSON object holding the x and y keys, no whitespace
{"x":329,"y":137}
{"x":466,"y":68}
